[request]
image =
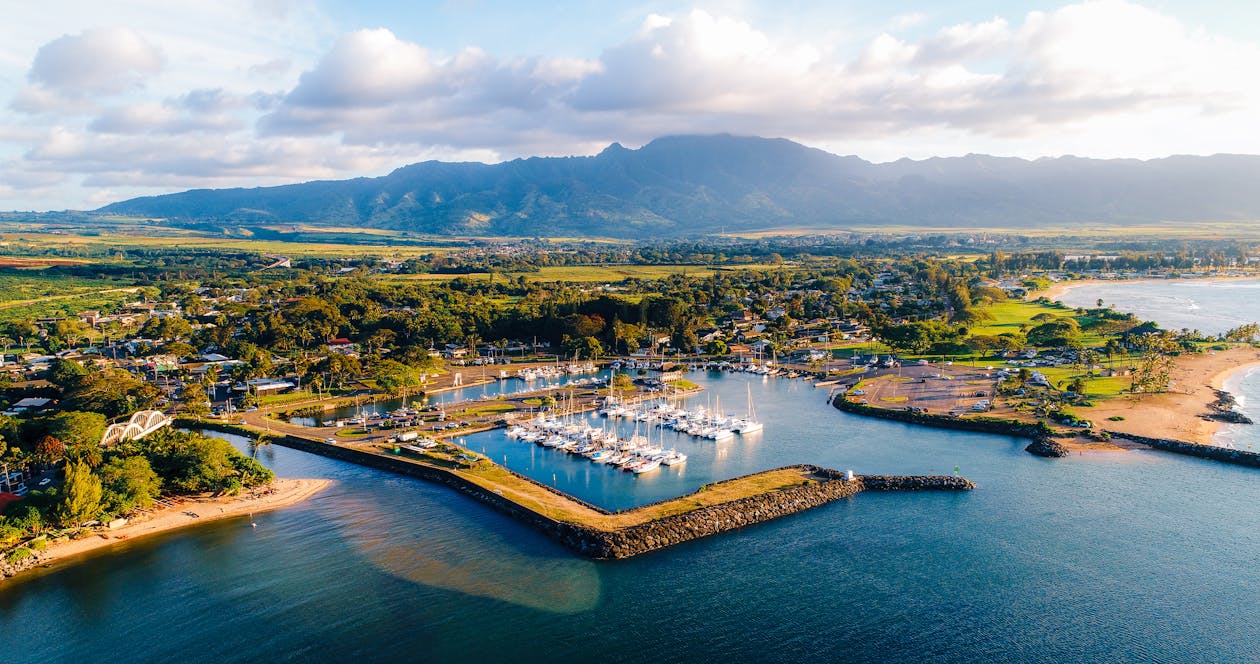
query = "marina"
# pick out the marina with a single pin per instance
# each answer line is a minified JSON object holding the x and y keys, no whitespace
{"x":893,"y":564}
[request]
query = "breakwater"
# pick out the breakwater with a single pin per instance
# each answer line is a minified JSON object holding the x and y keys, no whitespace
{"x":1042,"y":443}
{"x":1008,"y":427}
{"x":824,"y":486}
{"x":818,"y":486}
{"x":1225,"y":454}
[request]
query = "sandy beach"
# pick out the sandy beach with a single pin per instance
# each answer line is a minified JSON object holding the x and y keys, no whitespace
{"x":187,"y":512}
{"x":1176,"y":414}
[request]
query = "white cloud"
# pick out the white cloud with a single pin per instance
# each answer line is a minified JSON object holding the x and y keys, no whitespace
{"x":193,"y":103}
{"x":105,"y":60}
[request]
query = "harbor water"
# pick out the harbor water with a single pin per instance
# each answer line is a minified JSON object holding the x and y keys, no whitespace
{"x":1122,"y":557}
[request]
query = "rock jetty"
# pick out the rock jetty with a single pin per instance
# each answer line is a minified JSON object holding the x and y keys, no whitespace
{"x":818,"y":486}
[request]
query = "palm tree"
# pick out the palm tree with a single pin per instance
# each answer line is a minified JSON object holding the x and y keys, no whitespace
{"x":263,"y":440}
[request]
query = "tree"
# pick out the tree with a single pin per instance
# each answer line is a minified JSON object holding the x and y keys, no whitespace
{"x":716,"y":347}
{"x":75,"y":428}
{"x":48,"y":450}
{"x":66,"y":374}
{"x":80,"y":495}
{"x":196,"y":403}
{"x":112,"y":393}
{"x":685,"y":340}
{"x":190,"y":462}
{"x":396,"y":377}
{"x":1058,"y":332}
{"x":261,"y":441}
{"x":167,"y":328}
{"x":584,"y":348}
{"x":1154,"y":369}
{"x":128,"y":483}
{"x":67,"y":331}
{"x":340,"y":368}
{"x":621,"y":382}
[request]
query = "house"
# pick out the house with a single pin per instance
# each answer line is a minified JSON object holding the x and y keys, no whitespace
{"x":706,"y":335}
{"x":31,"y":404}
{"x":760,"y":346}
{"x":264,"y":386}
{"x":342,"y":345}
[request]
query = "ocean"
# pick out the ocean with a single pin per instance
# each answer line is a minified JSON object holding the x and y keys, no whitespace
{"x":1121,"y":557}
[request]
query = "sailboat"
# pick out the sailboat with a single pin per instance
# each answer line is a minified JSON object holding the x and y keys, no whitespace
{"x":749,"y":424}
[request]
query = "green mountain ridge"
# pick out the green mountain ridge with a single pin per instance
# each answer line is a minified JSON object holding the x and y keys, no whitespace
{"x":689,"y":185}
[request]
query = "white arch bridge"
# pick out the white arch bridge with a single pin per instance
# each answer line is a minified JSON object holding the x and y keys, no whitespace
{"x":140,"y":425}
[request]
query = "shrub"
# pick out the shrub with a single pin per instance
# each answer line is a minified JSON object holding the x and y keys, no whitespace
{"x":18,"y":555}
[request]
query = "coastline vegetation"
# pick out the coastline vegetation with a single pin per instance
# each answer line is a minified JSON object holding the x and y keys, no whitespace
{"x":102,"y":484}
{"x":370,"y":317}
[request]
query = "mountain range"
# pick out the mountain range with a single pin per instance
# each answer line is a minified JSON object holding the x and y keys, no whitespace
{"x":691,"y":185}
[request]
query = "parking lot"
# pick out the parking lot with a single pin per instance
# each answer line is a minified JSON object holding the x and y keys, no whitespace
{"x":934,"y":388}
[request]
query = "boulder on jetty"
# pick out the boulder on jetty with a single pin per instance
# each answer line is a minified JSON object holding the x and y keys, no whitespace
{"x":1044,"y":446}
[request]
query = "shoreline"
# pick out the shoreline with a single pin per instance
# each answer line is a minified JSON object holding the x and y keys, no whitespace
{"x":593,"y":532}
{"x":187,"y":512}
{"x":1177,"y":414}
{"x":1058,"y":289}
{"x":1181,"y":415}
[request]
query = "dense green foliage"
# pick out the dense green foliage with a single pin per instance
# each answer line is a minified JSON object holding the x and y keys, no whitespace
{"x":131,"y":476}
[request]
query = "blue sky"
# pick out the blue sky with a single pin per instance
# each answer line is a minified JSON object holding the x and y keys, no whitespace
{"x":104,"y":101}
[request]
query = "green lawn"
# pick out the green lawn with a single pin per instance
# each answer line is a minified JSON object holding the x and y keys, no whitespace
{"x":1094,"y":387}
{"x":1010,"y":315}
{"x":491,"y":408}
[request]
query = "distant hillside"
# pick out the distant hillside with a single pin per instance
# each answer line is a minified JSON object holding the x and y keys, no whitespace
{"x":684,"y":185}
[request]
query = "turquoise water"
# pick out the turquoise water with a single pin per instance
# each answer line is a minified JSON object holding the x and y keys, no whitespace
{"x":1125,"y":557}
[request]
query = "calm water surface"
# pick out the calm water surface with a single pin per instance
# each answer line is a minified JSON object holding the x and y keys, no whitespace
{"x":1128,"y":557}
{"x":1208,"y":306}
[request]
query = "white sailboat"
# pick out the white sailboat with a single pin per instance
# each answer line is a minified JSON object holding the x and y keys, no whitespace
{"x":749,"y":424}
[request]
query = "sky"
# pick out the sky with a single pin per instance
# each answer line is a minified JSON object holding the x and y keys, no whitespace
{"x":103,"y":101}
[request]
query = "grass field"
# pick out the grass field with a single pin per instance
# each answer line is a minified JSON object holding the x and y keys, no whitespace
{"x":1099,"y":387}
{"x":34,"y":286}
{"x":1010,"y":315}
{"x":492,"y":408}
{"x":63,"y":305}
